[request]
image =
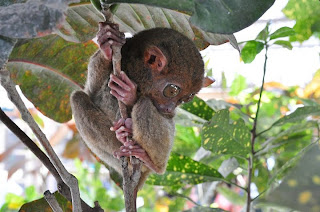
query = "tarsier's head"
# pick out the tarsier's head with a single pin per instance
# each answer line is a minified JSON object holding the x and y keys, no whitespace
{"x":166,"y":66}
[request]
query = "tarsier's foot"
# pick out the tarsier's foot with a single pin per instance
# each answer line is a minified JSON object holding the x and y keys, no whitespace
{"x":133,"y":149}
{"x":108,"y":36}
{"x":123,"y":129}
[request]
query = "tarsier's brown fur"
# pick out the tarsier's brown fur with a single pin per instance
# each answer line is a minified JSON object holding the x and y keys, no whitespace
{"x":95,"y":109}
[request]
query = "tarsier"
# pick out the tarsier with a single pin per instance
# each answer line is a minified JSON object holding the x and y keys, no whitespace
{"x":161,"y":69}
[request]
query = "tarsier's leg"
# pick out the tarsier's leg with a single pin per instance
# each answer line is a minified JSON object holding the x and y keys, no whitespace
{"x":93,"y":126}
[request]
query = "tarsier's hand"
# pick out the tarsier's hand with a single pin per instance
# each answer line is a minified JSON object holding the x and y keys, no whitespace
{"x":123,"y":129}
{"x":123,"y":89}
{"x":108,"y":36}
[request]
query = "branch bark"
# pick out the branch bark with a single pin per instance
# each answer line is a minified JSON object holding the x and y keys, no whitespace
{"x":62,"y":187}
{"x":67,"y":178}
{"x":130,"y":179}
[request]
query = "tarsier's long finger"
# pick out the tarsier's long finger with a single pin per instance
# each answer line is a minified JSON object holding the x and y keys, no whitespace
{"x":119,"y":82}
{"x":124,"y":129}
{"x":115,"y":94}
{"x":127,"y":80}
{"x":129,"y":142}
{"x":110,"y":38}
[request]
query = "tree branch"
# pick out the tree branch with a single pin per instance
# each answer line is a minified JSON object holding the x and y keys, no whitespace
{"x":67,"y":178}
{"x":130,"y":180}
{"x":62,"y":187}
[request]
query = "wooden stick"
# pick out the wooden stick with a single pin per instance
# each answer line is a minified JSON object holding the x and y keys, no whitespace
{"x":67,"y":178}
{"x":130,"y":180}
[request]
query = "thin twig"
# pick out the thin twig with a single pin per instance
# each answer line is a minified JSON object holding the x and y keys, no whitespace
{"x":254,"y":132}
{"x":185,"y":197}
{"x":52,"y":201}
{"x":62,"y":187}
{"x":69,"y":179}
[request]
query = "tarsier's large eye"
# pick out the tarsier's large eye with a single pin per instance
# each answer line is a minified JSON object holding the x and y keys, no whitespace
{"x":171,"y":90}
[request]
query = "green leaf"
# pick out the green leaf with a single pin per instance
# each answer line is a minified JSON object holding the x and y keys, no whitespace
{"x":298,"y":115}
{"x":300,"y":188}
{"x":42,"y":205}
{"x":183,"y":170}
{"x":282,"y":32}
{"x":82,"y":23}
{"x":199,"y":108}
{"x":294,"y":129}
{"x":289,"y":164}
{"x":187,"y":119}
{"x":238,"y":85}
{"x":214,"y":16}
{"x":182,"y":5}
{"x":250,"y":50}
{"x":223,"y":81}
{"x":264,"y":34}
{"x":48,"y":69}
{"x":232,"y":196}
{"x":204,"y":209}
{"x":228,"y":16}
{"x":221,"y":137}
{"x":284,"y":44}
{"x":306,"y":15}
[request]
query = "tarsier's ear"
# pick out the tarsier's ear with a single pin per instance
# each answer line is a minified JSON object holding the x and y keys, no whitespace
{"x":154,"y":58}
{"x":207,"y":81}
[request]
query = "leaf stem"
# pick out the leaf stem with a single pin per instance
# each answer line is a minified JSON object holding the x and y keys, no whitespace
{"x":254,"y":132}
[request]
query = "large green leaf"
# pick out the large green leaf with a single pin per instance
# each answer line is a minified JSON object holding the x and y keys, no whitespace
{"x":188,"y":119}
{"x":238,"y":85}
{"x":82,"y":23}
{"x":222,"y":137}
{"x":300,"y":190}
{"x":183,"y":170}
{"x":232,"y":195}
{"x":199,"y":108}
{"x":226,"y":16}
{"x":298,"y":115}
{"x":307,"y":16}
{"x":42,"y":205}
{"x":215,"y":16}
{"x":48,"y":69}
